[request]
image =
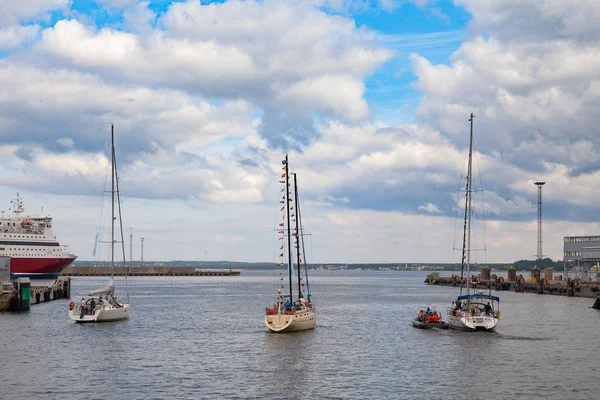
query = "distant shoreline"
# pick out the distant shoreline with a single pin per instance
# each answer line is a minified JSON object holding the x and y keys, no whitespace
{"x":446,"y":267}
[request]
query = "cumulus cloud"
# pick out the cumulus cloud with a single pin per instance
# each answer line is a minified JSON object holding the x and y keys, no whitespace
{"x":535,"y":20}
{"x":56,"y":102}
{"x":430,"y":208}
{"x":16,"y":36}
{"x":12,"y":12}
{"x":289,"y":59}
{"x":207,"y":98}
{"x":531,"y":80}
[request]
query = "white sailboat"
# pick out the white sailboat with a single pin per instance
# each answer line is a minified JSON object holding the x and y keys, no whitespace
{"x":287,"y":314}
{"x":102,"y":305}
{"x":472,"y":311}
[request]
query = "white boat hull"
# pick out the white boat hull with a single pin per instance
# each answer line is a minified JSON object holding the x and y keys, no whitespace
{"x":300,"y":320}
{"x":472,"y":323}
{"x":106,"y":314}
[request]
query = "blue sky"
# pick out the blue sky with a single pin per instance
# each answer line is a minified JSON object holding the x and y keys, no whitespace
{"x":369,"y":97}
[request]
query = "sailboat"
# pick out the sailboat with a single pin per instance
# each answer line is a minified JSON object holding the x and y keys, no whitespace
{"x":472,"y":311}
{"x":290,"y":314}
{"x":102,"y":305}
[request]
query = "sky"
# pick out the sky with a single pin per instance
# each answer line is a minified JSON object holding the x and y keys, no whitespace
{"x":369,"y":98}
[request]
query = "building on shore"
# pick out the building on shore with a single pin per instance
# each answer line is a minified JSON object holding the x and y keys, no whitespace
{"x":581,"y":254}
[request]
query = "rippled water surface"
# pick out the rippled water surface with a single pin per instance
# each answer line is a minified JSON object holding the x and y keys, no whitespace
{"x":204,"y":338}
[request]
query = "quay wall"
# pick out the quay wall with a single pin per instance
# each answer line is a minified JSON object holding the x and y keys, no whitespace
{"x":569,"y":287}
{"x":20,"y":294}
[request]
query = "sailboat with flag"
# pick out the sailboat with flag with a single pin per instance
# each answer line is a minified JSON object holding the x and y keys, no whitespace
{"x":295,"y":310}
{"x":472,"y":311}
{"x":102,"y":305}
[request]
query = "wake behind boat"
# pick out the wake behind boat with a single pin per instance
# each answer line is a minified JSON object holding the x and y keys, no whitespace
{"x":287,"y":314}
{"x":470,"y":311}
{"x":105,"y":307}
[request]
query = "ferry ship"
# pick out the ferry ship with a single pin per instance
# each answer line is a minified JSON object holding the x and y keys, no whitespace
{"x":31,"y":244}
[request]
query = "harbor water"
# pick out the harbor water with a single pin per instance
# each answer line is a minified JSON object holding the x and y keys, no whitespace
{"x":204,"y":338}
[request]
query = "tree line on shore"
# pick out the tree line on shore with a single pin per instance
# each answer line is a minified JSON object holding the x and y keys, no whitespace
{"x":521,"y":265}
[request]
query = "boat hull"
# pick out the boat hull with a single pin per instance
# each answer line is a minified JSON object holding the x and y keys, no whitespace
{"x":39,"y":268}
{"x":102,"y":315}
{"x":430,"y":325}
{"x":472,"y":323}
{"x":298,"y":321}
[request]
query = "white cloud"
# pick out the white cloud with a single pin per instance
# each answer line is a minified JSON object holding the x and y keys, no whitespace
{"x":12,"y":12}
{"x":66,"y":142}
{"x":430,"y":208}
{"x":533,"y":19}
{"x":64,"y":96}
{"x":15,"y":36}
{"x":514,"y":90}
{"x":288,"y":58}
{"x":201,"y":93}
{"x":83,"y":46}
{"x":329,"y":94}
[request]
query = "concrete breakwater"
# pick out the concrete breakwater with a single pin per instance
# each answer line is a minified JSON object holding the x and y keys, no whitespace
{"x":568,"y":287}
{"x":145,"y":271}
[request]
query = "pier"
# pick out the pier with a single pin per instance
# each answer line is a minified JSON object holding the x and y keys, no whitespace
{"x":146,"y":271}
{"x":20,"y":294}
{"x":535,"y":284}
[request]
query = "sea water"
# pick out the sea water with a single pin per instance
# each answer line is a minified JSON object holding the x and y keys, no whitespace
{"x":204,"y":338}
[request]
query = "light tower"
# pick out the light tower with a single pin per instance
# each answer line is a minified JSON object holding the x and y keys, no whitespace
{"x":131,"y":246}
{"x":539,"y":185}
{"x":142,"y":254}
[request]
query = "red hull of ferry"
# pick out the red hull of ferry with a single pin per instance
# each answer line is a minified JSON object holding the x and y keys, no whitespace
{"x":38,"y":266}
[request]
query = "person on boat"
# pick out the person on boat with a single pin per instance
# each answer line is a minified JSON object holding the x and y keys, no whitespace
{"x":428,"y":311}
{"x":421,"y":315}
{"x":435,"y":318}
{"x":288,"y":306}
{"x":92,"y":306}
{"x":116,"y":302}
{"x":82,"y":308}
{"x":473,"y":309}
{"x":487,"y":308}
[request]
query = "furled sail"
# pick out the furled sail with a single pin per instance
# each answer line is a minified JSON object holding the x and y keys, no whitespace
{"x":108,"y":290}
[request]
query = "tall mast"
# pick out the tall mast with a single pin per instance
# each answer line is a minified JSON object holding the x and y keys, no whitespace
{"x":289,"y":229}
{"x":297,"y":234}
{"x":469,"y":192}
{"x":112,"y":199}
